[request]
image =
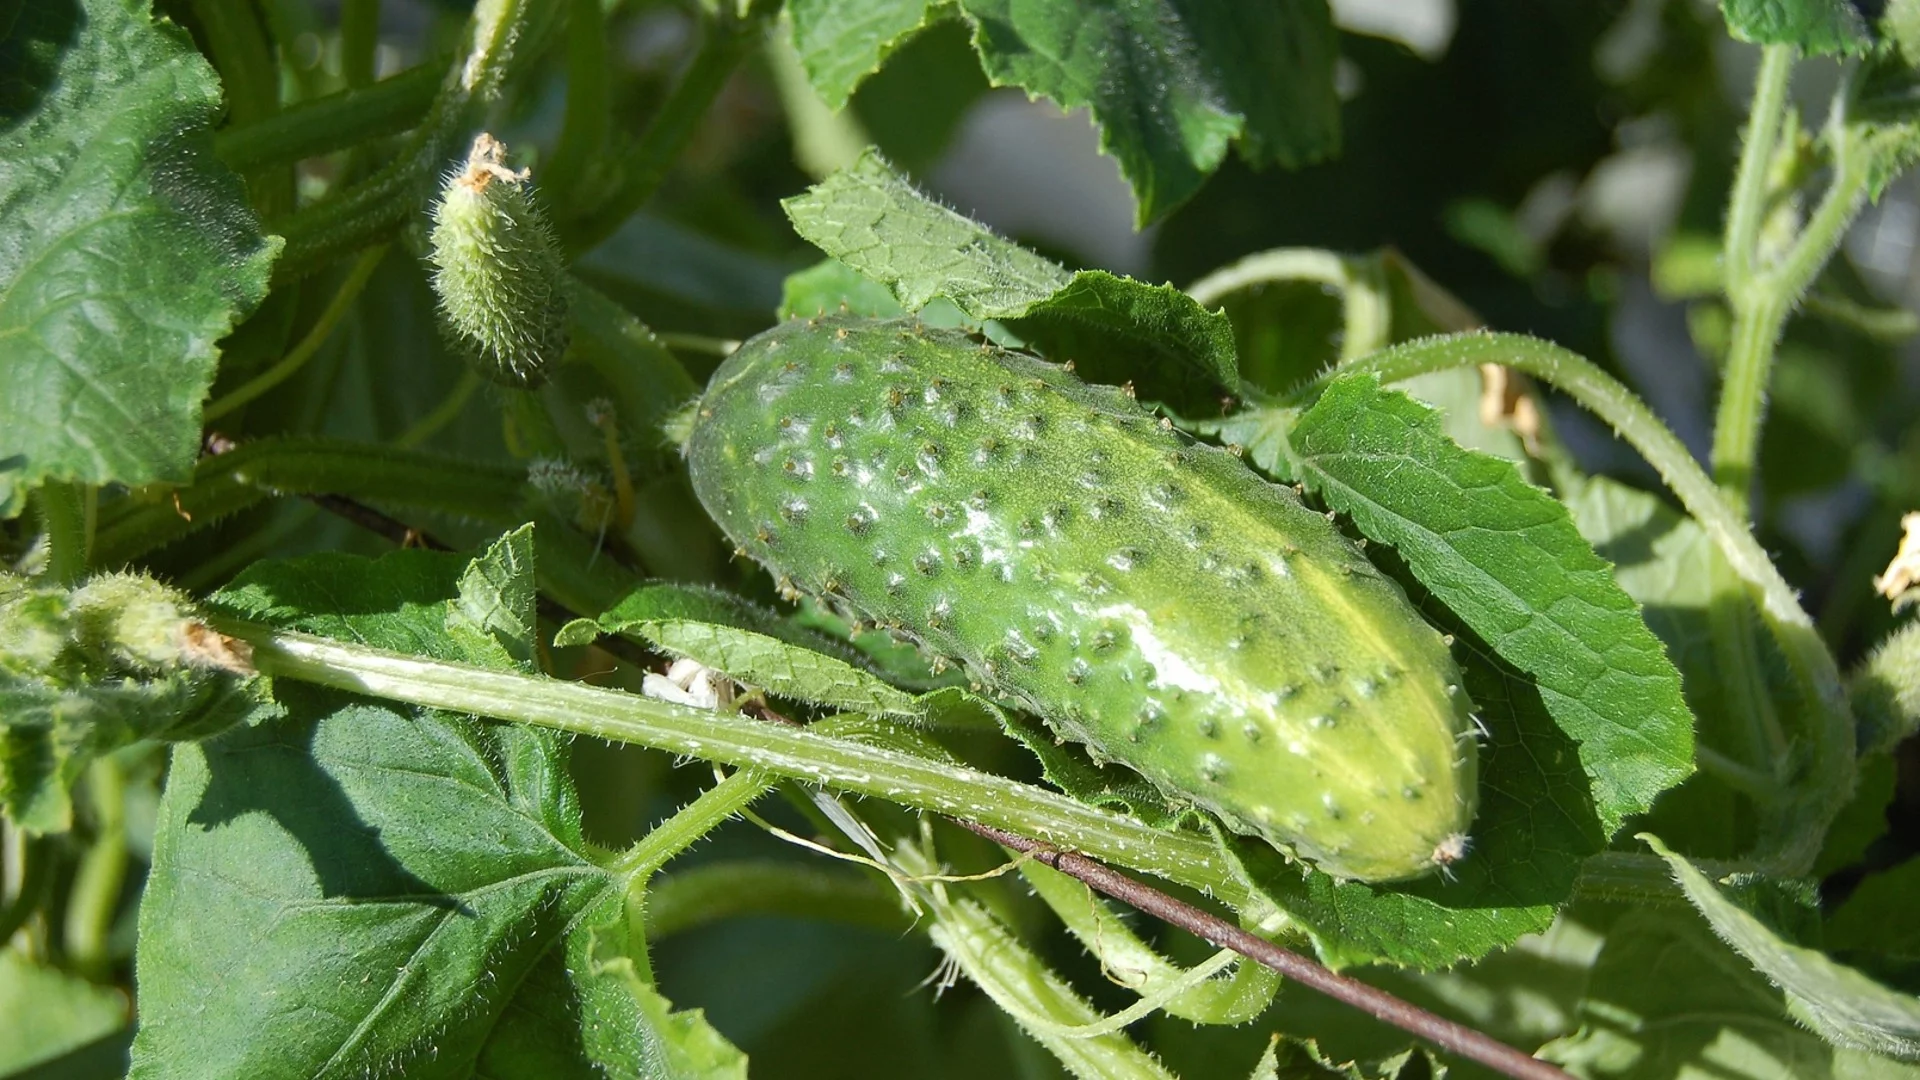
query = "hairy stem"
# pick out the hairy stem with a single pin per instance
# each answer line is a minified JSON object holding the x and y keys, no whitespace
{"x":95,"y":899}
{"x":700,"y":895}
{"x":226,"y":483}
{"x":583,"y":130}
{"x":67,"y":520}
{"x":375,"y":209}
{"x":359,"y":39}
{"x":1747,"y":206}
{"x":800,"y":754}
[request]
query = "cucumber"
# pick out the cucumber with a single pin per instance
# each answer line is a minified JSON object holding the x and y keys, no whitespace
{"x":1148,"y":596}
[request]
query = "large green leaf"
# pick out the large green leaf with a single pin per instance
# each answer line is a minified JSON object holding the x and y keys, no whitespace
{"x":126,"y":250}
{"x":1113,"y":328}
{"x":365,"y":890}
{"x":1171,"y":83}
{"x":1842,"y":1004}
{"x":1505,"y":557}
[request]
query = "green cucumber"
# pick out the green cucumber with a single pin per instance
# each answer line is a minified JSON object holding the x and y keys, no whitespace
{"x":1148,"y":596}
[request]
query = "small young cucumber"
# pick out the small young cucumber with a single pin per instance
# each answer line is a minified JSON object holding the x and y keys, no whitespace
{"x":1148,"y":596}
{"x":498,"y":271}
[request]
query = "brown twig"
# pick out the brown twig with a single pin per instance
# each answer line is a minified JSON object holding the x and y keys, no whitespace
{"x":1446,"y":1034}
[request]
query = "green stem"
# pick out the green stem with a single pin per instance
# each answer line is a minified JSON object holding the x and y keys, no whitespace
{"x":239,"y":50}
{"x":227,"y":483}
{"x":443,"y":414}
{"x":1747,"y":208}
{"x":691,"y":822}
{"x":643,"y":168}
{"x":67,"y":519}
{"x":30,"y":865}
{"x":797,"y":753}
{"x":376,"y":208}
{"x":1829,"y":768}
{"x":334,"y":122}
{"x":95,"y":899}
{"x":583,"y":131}
{"x":359,"y":40}
{"x":1366,"y":311}
{"x":701,"y":895}
{"x":316,"y":336}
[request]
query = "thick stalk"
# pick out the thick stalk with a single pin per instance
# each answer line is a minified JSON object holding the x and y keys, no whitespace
{"x":227,"y":483}
{"x":334,"y":122}
{"x":67,"y":521}
{"x":799,"y":754}
{"x":359,"y":40}
{"x":583,"y":130}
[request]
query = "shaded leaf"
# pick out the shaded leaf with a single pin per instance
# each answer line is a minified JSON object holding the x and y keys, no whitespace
{"x":1171,"y":83}
{"x":126,"y":250}
{"x":1665,"y":1000}
{"x":873,"y":220}
{"x":1844,"y":1005}
{"x":50,"y":1012}
{"x":495,"y":605}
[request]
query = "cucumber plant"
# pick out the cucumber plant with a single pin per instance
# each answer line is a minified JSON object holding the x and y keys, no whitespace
{"x":632,"y":608}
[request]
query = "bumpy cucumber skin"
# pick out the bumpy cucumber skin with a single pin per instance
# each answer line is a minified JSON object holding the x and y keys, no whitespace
{"x":498,"y":271}
{"x":1147,"y":596}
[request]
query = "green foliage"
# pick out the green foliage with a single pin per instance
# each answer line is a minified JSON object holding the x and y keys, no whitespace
{"x":308,"y":805}
{"x":503,"y":948}
{"x":1170,"y":85}
{"x":872,"y":220}
{"x":126,"y":252}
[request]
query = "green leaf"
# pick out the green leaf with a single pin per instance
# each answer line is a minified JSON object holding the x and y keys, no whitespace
{"x":872,"y":219}
{"x":1171,"y":83}
{"x":366,"y":890}
{"x":1842,"y":1004}
{"x":1506,"y":558}
{"x":841,"y":42}
{"x":831,"y":285}
{"x":671,"y":1045}
{"x":1815,"y":26}
{"x":1667,"y":1001}
{"x":126,"y":250}
{"x":494,"y":610}
{"x":50,"y":1012}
